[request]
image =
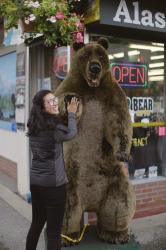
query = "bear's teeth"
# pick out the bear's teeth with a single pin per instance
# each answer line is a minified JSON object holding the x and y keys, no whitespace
{"x":94,"y":80}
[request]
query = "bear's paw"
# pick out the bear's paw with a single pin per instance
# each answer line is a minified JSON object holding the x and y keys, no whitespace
{"x":114,"y":237}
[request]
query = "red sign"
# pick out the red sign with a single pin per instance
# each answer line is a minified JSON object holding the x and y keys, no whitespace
{"x":60,"y":62}
{"x":130,"y":75}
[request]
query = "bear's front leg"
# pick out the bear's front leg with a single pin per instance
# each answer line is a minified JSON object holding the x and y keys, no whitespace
{"x":117,"y":122}
{"x":118,"y":132}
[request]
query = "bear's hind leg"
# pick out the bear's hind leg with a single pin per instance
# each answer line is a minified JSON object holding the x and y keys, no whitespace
{"x":114,"y":217}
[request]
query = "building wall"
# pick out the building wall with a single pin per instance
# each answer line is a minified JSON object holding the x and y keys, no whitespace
{"x":14,"y":158}
{"x":14,"y":146}
{"x":8,"y":167}
{"x":151,"y":198}
{"x":8,"y":142}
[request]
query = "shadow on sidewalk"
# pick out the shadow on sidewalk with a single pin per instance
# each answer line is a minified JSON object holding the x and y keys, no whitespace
{"x":2,"y":247}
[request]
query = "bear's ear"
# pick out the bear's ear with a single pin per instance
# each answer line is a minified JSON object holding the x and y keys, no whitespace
{"x":77,"y":46}
{"x":103,"y":42}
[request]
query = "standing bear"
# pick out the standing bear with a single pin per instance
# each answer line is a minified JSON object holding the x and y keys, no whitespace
{"x":95,"y":157}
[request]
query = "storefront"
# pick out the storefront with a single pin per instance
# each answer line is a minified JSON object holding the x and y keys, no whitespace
{"x":14,"y":103}
{"x":24,"y":70}
{"x":136,"y":31}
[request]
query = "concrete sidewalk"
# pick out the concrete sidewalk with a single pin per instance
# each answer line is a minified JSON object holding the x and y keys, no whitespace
{"x":15,"y":217}
{"x":150,"y":232}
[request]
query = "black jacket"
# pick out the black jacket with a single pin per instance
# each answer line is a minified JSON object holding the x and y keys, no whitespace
{"x":48,"y":168}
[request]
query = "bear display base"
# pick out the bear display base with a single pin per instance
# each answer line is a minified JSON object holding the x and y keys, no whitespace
{"x":92,"y":242}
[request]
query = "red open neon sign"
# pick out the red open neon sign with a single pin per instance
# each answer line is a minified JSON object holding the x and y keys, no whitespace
{"x":130,"y":75}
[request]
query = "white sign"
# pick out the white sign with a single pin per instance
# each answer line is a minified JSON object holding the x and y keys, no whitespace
{"x":140,"y":103}
{"x":144,"y":17}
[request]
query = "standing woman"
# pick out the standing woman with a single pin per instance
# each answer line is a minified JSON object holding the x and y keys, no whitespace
{"x":47,"y":174}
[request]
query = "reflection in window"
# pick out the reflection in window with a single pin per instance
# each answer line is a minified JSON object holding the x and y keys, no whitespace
{"x":140,"y":72}
{"x":138,"y":68}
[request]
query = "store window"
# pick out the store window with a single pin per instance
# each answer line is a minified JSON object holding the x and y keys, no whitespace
{"x":139,"y":69}
{"x":48,"y":67}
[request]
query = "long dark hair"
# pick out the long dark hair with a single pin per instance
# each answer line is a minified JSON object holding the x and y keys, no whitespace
{"x":38,"y":119}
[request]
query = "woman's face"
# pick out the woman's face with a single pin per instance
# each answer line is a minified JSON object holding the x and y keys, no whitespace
{"x":51,"y":104}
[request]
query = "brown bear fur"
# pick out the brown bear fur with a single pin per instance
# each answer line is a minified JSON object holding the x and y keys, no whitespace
{"x":94,"y":157}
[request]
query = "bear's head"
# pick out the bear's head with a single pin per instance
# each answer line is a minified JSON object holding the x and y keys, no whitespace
{"x":91,"y":61}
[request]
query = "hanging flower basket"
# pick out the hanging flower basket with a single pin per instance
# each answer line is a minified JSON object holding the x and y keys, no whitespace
{"x":27,"y":28}
{"x":53,"y":19}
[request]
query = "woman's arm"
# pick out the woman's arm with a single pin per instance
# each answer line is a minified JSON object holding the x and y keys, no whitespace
{"x":63,"y":133}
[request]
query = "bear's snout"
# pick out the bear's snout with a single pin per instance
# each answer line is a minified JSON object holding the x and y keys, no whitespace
{"x":93,"y":73}
{"x":95,"y":68}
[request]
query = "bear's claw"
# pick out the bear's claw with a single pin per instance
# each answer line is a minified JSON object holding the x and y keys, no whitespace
{"x":114,"y":237}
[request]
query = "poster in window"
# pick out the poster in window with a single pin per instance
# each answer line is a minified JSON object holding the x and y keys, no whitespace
{"x":7,"y":91}
{"x":20,"y":89}
{"x":20,"y":64}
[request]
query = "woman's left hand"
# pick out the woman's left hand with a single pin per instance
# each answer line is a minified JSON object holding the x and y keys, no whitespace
{"x":73,"y":105}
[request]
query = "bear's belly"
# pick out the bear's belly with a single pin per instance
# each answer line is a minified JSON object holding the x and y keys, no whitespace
{"x":90,"y":132}
{"x":87,"y":155}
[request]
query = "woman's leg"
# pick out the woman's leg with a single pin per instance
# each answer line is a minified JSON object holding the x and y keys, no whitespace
{"x":38,"y":221}
{"x":55,"y":213}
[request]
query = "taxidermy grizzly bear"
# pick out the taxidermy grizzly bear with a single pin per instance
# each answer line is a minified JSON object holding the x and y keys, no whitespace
{"x":95,"y":157}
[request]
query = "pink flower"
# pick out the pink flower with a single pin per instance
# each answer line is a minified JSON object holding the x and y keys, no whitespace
{"x":79,"y":37}
{"x":59,"y":15}
{"x":80,"y":26}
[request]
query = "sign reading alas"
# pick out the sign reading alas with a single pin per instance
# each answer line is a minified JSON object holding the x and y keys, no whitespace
{"x":140,"y":14}
{"x":143,"y":17}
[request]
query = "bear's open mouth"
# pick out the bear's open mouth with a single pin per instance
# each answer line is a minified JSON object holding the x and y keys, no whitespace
{"x":93,"y":82}
{"x":94,"y":70}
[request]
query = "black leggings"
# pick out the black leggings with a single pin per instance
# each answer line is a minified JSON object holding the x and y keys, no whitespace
{"x":48,"y":205}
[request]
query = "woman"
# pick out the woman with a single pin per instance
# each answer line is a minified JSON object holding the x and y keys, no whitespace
{"x":47,"y":174}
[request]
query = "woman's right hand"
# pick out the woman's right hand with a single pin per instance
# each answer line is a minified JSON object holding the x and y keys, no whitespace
{"x":73,"y":105}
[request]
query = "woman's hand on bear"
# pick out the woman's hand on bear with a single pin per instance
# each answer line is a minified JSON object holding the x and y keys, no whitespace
{"x":72,"y":106}
{"x":63,"y":105}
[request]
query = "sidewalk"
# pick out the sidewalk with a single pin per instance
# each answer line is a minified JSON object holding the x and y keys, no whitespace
{"x":15,"y":217}
{"x":150,"y":232}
